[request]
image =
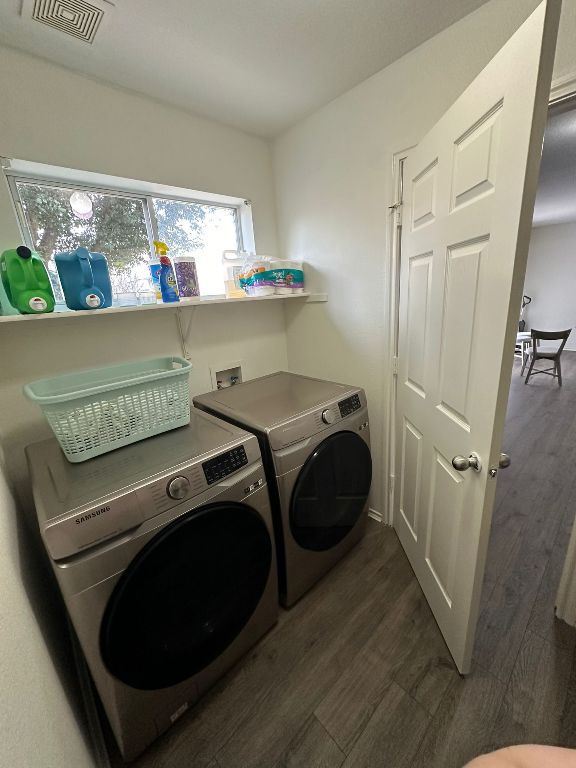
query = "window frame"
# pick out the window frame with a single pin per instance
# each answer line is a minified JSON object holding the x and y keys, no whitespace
{"x":25,"y":172}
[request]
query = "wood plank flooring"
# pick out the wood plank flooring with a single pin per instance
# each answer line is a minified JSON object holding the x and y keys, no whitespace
{"x":357,"y":674}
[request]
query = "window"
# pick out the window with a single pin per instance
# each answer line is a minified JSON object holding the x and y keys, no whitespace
{"x":204,"y":231}
{"x":57,"y":216}
{"x":113,"y":225}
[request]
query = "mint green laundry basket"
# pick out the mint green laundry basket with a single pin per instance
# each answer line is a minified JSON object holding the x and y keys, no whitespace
{"x":96,"y":411}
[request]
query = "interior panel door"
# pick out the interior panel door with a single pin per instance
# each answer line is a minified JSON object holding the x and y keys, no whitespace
{"x":469,"y":193}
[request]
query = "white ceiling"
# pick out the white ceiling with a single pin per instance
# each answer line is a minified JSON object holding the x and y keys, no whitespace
{"x":260,"y":65}
{"x":556,"y":195}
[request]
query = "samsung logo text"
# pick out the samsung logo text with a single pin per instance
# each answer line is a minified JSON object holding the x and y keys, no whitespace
{"x":90,"y":515}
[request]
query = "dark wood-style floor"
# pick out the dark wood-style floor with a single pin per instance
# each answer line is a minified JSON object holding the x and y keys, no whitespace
{"x":357,"y":674}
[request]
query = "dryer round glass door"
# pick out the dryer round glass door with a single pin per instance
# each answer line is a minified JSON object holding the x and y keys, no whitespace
{"x":186,"y":596}
{"x":331,"y":492}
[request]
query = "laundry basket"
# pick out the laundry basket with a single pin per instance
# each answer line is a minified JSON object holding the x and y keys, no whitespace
{"x":96,"y":411}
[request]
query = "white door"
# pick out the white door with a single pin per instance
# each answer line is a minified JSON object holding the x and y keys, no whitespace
{"x":469,"y":192}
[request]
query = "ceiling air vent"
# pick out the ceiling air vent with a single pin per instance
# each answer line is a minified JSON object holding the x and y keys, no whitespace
{"x":74,"y":17}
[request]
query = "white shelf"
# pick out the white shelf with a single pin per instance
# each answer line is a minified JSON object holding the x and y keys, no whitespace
{"x":201,"y":301}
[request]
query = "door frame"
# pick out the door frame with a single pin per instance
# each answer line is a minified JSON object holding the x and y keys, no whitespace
{"x":394,"y":250}
{"x":563,"y":88}
{"x":565,"y":601}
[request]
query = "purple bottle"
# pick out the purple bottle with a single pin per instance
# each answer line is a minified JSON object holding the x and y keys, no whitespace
{"x":186,"y":276}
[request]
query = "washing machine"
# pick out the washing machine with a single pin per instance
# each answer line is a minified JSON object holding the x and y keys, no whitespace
{"x":315,"y":441}
{"x":164,"y":555}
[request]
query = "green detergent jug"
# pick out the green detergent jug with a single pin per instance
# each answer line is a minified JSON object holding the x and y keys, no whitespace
{"x":26,"y":282}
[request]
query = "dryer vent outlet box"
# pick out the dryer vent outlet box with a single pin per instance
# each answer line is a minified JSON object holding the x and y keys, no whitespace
{"x":80,"y":19}
{"x":227,"y":375}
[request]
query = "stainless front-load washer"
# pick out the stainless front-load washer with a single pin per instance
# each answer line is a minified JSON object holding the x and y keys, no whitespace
{"x":315,"y":440}
{"x":164,"y":555}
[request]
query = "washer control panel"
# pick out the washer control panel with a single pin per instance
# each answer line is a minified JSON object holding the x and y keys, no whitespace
{"x":349,"y":405}
{"x":225,"y":464}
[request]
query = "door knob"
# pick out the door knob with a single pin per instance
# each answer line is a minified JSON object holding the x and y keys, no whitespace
{"x":503,"y":462}
{"x":461,"y":463}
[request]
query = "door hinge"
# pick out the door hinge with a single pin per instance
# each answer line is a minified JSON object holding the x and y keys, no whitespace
{"x":395,"y":366}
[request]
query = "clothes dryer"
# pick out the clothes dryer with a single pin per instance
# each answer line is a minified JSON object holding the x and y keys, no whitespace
{"x":315,"y":441}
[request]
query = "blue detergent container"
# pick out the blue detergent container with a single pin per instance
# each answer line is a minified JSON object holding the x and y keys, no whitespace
{"x":85,"y":279}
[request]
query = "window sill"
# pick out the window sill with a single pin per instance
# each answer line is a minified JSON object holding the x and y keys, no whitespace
{"x":201,"y":301}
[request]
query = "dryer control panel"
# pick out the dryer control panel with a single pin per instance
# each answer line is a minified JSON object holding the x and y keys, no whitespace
{"x":225,"y":464}
{"x":329,"y":415}
{"x":349,"y":405}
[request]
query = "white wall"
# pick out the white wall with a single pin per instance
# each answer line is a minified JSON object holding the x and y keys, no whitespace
{"x":334,"y":181}
{"x":551,"y":279}
{"x":38,"y":726}
{"x":53,"y":116}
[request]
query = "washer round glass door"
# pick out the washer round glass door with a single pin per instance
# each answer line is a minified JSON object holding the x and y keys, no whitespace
{"x":331,"y":492}
{"x":186,"y":596}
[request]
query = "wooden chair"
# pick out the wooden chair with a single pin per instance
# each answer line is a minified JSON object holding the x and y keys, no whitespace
{"x":546,"y":354}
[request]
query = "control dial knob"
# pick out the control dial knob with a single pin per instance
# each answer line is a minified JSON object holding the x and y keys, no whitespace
{"x":178,"y":487}
{"x":328,"y":416}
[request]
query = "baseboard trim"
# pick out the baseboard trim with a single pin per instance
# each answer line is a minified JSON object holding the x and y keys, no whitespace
{"x":563,"y":86}
{"x":375,"y":515}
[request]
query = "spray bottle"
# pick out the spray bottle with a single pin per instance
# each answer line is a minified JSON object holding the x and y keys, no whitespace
{"x":168,"y":287}
{"x":154,"y":267}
